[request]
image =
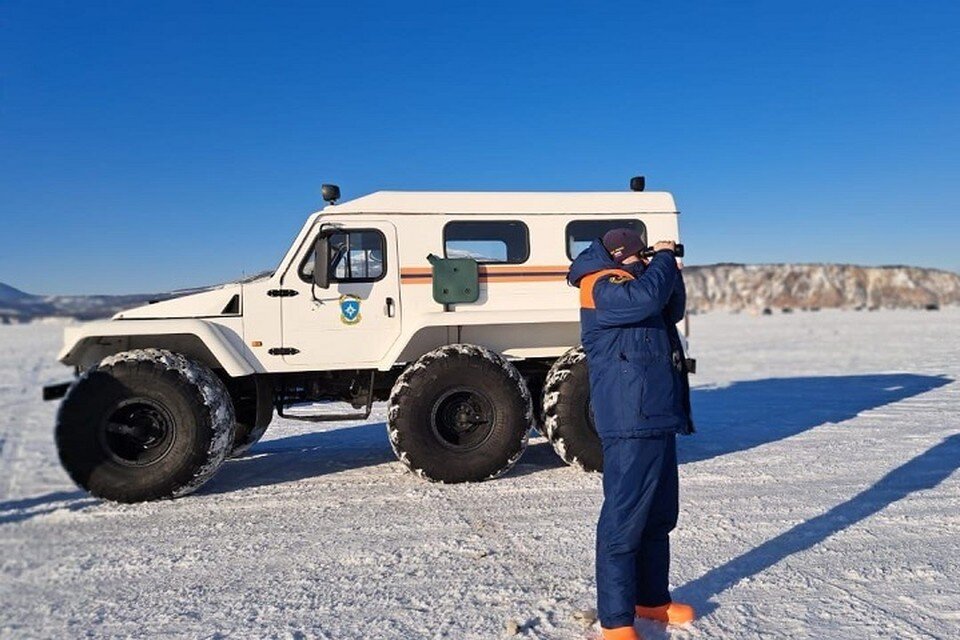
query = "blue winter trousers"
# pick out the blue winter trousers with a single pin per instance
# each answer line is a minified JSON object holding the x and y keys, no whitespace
{"x":640,"y":508}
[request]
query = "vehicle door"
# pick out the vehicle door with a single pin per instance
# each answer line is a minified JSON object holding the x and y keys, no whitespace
{"x":355,"y":321}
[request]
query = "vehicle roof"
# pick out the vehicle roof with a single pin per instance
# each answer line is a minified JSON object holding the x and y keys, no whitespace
{"x":507,"y":202}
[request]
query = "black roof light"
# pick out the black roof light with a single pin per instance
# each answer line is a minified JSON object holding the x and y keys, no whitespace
{"x":330,"y":193}
{"x":638,"y":183}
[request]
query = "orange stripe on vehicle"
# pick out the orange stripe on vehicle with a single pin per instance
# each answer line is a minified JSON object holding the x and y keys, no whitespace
{"x":415,"y":271}
{"x":533,"y":277}
{"x":524,"y":269}
{"x":423,"y":275}
{"x":587,"y":283}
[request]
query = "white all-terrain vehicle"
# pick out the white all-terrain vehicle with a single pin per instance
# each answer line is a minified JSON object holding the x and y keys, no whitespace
{"x":453,"y":307}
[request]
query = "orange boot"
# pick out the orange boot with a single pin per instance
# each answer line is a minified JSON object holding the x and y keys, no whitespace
{"x":670,"y":613}
{"x":620,"y":633}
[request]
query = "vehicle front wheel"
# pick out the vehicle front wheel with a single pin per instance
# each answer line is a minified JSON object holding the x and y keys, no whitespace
{"x":460,"y":413}
{"x":143,"y":425}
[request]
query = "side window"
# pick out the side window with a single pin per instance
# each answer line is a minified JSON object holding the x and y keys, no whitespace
{"x":580,"y":233}
{"x":355,"y":256}
{"x":487,"y":241}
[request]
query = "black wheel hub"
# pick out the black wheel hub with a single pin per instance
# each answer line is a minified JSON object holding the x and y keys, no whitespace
{"x":462,"y":419}
{"x":137,"y":432}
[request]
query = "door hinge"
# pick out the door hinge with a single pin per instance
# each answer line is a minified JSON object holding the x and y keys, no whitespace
{"x":283,"y":351}
{"x":282,"y":293}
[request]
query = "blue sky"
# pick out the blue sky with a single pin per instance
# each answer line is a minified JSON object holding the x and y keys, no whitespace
{"x":149,"y":146}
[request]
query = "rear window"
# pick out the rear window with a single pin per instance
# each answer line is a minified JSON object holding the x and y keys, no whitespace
{"x":487,"y":241}
{"x":580,"y":233}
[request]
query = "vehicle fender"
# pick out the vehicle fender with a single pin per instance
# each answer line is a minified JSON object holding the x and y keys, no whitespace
{"x":217,"y":346}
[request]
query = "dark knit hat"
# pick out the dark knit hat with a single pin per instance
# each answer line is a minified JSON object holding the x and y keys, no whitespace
{"x":622,"y":243}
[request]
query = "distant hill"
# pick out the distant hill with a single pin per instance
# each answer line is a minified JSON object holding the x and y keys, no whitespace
{"x":17,"y":306}
{"x":716,"y":287}
{"x":754,"y":287}
{"x":9,"y":294}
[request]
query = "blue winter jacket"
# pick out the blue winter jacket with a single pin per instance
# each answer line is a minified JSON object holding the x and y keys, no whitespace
{"x":637,"y":384}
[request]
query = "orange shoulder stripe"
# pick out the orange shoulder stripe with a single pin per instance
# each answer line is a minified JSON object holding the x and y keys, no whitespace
{"x":587,"y":283}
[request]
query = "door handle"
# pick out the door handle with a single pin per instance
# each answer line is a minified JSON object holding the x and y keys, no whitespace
{"x":390,"y":307}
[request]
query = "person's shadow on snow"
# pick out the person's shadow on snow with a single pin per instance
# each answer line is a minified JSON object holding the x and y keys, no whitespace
{"x":924,"y":471}
{"x":751,"y":413}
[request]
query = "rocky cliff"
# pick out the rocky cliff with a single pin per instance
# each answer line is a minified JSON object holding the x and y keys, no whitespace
{"x":754,"y":287}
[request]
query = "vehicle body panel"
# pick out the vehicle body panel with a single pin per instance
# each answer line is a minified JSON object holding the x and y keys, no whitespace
{"x":524,"y":310}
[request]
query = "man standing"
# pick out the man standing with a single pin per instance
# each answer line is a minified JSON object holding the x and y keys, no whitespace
{"x":628,"y":312}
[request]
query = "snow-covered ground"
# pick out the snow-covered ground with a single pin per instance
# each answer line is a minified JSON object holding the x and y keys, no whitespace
{"x":819,"y":499}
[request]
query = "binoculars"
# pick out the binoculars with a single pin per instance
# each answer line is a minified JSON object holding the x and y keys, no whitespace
{"x":646,"y":253}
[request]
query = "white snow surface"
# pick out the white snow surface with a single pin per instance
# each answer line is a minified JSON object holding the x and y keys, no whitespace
{"x":819,"y":499}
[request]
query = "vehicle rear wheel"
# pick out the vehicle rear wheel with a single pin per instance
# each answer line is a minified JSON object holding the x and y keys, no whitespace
{"x":568,"y":418}
{"x":144,"y":425}
{"x":460,"y":413}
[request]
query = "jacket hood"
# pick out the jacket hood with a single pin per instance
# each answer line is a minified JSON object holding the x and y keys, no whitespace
{"x":592,"y":259}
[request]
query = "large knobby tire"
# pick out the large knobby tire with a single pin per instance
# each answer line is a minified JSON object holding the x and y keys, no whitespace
{"x":461,"y":413}
{"x":144,"y":425}
{"x":568,"y":420}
